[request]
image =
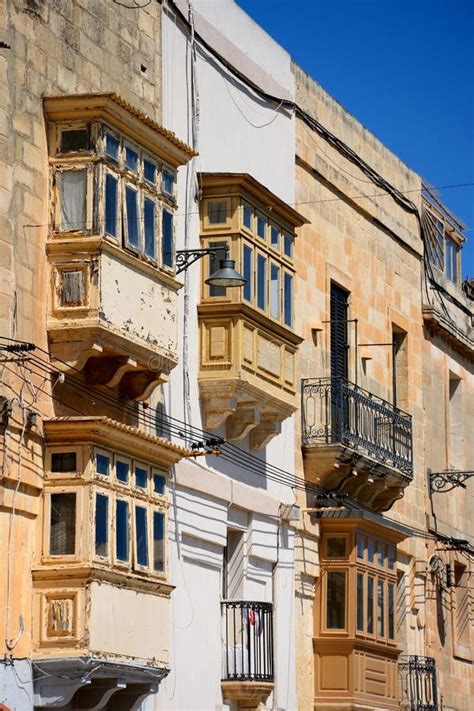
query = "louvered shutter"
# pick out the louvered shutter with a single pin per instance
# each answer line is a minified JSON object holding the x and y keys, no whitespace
{"x":339,"y":340}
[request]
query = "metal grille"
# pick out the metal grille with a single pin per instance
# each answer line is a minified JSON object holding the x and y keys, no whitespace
{"x":335,"y":410}
{"x":247,"y":641}
{"x":418,"y":691}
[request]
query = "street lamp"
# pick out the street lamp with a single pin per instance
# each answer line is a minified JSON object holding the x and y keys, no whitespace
{"x":226,"y":275}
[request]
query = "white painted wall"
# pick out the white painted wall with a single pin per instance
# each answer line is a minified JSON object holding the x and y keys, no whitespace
{"x":238,"y":132}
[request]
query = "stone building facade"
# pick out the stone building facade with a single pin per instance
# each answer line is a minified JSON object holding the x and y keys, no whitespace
{"x":221,"y":498}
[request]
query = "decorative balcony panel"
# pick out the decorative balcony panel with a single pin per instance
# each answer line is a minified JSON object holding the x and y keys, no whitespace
{"x":418,"y":686}
{"x":248,"y":344}
{"x":355,"y":442}
{"x":247,"y":661}
{"x":113,"y":293}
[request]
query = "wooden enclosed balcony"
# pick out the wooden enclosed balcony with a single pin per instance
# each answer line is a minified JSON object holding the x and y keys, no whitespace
{"x":355,"y":442}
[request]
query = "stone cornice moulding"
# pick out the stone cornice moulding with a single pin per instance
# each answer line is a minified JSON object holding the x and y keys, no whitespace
{"x":121,"y":115}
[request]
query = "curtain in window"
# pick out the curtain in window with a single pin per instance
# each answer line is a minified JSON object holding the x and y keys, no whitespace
{"x":72,"y":186}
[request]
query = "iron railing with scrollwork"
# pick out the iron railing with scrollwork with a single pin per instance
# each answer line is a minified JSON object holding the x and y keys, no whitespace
{"x":247,"y":634}
{"x":418,"y":690}
{"x":335,"y":410}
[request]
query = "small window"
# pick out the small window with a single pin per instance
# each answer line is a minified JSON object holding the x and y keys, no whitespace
{"x":122,"y":470}
{"x":360,"y":546}
{"x":248,"y":273}
{"x":72,"y":187}
{"x":451,"y":260}
{"x":360,"y":602}
{"x":158,"y":541}
{"x":141,"y":477}
{"x":73,"y":140}
{"x":261,"y":282}
{"x":63,"y":462}
{"x":391,"y":557}
{"x":370,"y":550}
{"x":122,"y":531}
{"x":274,"y":291}
{"x":261,"y":226}
{"x":101,"y":525}
{"x":217,"y":212}
{"x":112,"y":147}
{"x":336,"y":547}
{"x":111,"y":204}
{"x":159,"y":484}
{"x":62,"y":531}
{"x":132,"y":227}
{"x":214,"y":262}
{"x":275,"y":237}
{"x":149,"y":171}
{"x":131,"y":159}
{"x":149,"y":218}
{"x":370,"y":605}
{"x":288,"y":246}
{"x":248,"y":217}
{"x":102,"y":464}
{"x":391,"y":611}
{"x":336,"y":600}
{"x":141,"y":535}
{"x":381,"y":608}
{"x":72,"y":288}
{"x":167,"y":182}
{"x":167,"y":245}
{"x":381,"y":555}
{"x":288,"y":299}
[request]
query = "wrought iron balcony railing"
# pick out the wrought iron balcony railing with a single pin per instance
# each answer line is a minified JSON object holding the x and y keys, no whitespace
{"x":418,"y":690}
{"x":247,"y":641}
{"x":335,"y":410}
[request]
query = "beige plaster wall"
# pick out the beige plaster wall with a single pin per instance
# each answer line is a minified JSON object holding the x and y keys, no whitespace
{"x":56,"y":47}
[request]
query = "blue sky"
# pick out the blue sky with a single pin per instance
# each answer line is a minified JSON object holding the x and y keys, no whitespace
{"x":404,"y":68}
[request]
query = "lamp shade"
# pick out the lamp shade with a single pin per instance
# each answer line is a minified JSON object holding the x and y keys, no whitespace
{"x":226,"y":275}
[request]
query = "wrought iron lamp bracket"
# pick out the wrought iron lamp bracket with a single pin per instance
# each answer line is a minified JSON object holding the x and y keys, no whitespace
{"x":442,"y":482}
{"x":186,"y":257}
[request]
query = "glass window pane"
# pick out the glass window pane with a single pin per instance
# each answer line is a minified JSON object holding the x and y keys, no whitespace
{"x":391,"y":557}
{"x":62,"y":532}
{"x":214,"y":261}
{"x":112,"y":145}
{"x":336,"y":600}
{"x":132,"y":226}
{"x":121,"y":531}
{"x":131,"y":158}
{"x":101,"y":525}
{"x":336,"y":547}
{"x":360,"y":602}
{"x":370,"y":550}
{"x":216,"y":212}
{"x":380,"y":608}
{"x":75,"y":140}
{"x":158,"y":541}
{"x":141,"y":535}
{"x":261,"y":281}
{"x":111,"y":203}
{"x":370,"y":605}
{"x":275,"y":291}
{"x":275,"y":237}
{"x":149,"y":171}
{"x":288,"y":245}
{"x":149,"y":227}
{"x":72,"y":186}
{"x":360,"y":546}
{"x":167,"y":239}
{"x":102,"y":464}
{"x":381,"y":555}
{"x":391,"y":611}
{"x":248,"y":217}
{"x":248,"y":273}
{"x":288,"y":299}
{"x":122,"y":470}
{"x":167,"y":182}
{"x":63,"y":462}
{"x":261,"y":225}
{"x":141,"y":477}
{"x":159,"y":483}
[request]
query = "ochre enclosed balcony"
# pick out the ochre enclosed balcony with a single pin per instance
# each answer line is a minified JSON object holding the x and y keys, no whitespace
{"x":248,"y":343}
{"x":112,"y":287}
{"x":355,"y":442}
